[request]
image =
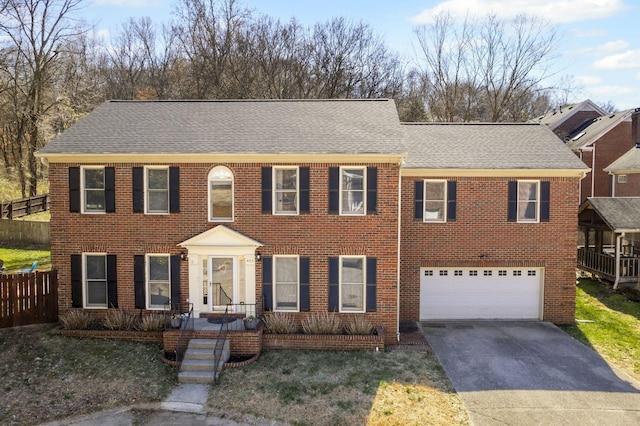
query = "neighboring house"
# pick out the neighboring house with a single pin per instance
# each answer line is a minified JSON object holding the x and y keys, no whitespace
{"x":611,"y":238}
{"x":625,"y":173}
{"x":567,"y":119}
{"x":312,"y":206}
{"x":605,"y":140}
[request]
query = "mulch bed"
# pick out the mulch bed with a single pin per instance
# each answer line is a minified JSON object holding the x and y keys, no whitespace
{"x":411,"y":338}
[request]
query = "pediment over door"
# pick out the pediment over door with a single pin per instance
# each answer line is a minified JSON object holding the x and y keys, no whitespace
{"x":220,"y":236}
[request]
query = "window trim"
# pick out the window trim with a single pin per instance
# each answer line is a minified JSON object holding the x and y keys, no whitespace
{"x":274,"y":191}
{"x":538,"y":201}
{"x":364,"y":190}
{"x":622,"y":179}
{"x":85,"y":288}
{"x":275,"y":282}
{"x":147,"y":190}
{"x":364,"y":285}
{"x":83,"y":189}
{"x":210,"y":180}
{"x":147,"y":279}
{"x":445,"y":201}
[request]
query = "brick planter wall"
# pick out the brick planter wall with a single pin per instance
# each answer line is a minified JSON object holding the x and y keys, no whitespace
{"x":336,"y":342}
{"x":243,"y":343}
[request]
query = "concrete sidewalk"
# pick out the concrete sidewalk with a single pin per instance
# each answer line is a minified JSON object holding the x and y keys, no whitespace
{"x":531,"y":373}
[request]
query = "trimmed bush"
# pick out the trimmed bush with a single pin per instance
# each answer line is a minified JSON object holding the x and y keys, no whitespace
{"x":279,"y":323}
{"x":154,"y":322}
{"x":118,"y":319}
{"x":321,"y":323}
{"x":76,"y":319}
{"x":358,"y":324}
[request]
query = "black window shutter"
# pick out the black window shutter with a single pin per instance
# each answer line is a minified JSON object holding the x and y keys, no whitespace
{"x":418,"y":196}
{"x":138,"y":189}
{"x":305,"y":299}
{"x":138,"y":282}
{"x":304,"y":189}
{"x":174,"y":190}
{"x":545,"y":195}
{"x":74,"y":191}
{"x":175,"y":282}
{"x":110,"y":189}
{"x":266,"y":189}
{"x":267,"y":283}
{"x":112,"y":281}
{"x":76,"y":281}
{"x":372,"y":190}
{"x":334,"y":190}
{"x":451,"y":200}
{"x":513,"y":201}
{"x":371,"y":284}
{"x":334,"y":284}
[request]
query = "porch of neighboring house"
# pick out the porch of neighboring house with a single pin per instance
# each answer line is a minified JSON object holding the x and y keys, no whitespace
{"x":609,"y":241}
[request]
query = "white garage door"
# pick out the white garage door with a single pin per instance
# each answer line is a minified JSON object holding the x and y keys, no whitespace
{"x":480,"y":293}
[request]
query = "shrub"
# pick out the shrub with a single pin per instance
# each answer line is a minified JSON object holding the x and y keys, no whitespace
{"x":358,"y":324}
{"x":321,"y":323}
{"x":118,"y":319}
{"x":76,"y":319}
{"x":279,"y":323}
{"x":154,"y":322}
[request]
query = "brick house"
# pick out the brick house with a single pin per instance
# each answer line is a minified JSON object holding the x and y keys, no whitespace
{"x":605,"y":140}
{"x":309,"y":206}
{"x":567,"y":119}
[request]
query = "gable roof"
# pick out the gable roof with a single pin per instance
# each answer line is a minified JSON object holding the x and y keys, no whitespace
{"x":487,"y":146}
{"x":620,"y":214}
{"x":629,"y":162}
{"x":234,"y":127}
{"x":556,"y":116}
{"x":597,"y":128}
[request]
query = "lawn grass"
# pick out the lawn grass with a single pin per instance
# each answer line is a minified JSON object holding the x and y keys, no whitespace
{"x":47,"y":377}
{"x":18,"y":258}
{"x":609,"y":323}
{"x":330,"y":388}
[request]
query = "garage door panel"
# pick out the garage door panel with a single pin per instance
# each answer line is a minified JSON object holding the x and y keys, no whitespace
{"x":480,"y":293}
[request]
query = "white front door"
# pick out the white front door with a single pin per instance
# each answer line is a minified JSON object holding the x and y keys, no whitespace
{"x":223,"y":280}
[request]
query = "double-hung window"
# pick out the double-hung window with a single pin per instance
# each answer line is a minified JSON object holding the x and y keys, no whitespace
{"x":286,"y":283}
{"x":353,"y":190}
{"x":158,"y":281}
{"x":352,"y":284}
{"x":435,"y":200}
{"x":285,"y":190}
{"x":220,"y":195}
{"x":93,"y":190}
{"x":95,"y":281}
{"x":528,"y":201}
{"x":157,"y":189}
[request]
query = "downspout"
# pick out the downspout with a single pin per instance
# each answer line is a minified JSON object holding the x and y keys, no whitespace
{"x":613,"y":184}
{"x":593,"y":170}
{"x":401,"y":163}
{"x":618,"y":246}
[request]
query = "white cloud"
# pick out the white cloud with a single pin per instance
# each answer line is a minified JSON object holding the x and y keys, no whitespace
{"x":588,"y":79}
{"x":588,"y":33}
{"x":629,"y":59}
{"x":604,"y":49}
{"x":556,"y":11}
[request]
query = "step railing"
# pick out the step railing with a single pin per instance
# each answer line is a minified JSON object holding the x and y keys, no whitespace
{"x":186,"y":329}
{"x":220,"y":345}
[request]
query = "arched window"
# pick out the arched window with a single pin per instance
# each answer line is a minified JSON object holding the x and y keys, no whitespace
{"x":220,"y":194}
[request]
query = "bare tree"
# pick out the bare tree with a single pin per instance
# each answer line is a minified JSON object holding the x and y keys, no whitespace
{"x":484,"y":69}
{"x":33,"y":32}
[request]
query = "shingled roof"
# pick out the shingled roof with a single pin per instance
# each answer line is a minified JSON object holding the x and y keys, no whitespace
{"x":629,"y":162}
{"x":620,"y":214}
{"x":597,"y":128}
{"x":486,"y":146}
{"x":222,"y":126}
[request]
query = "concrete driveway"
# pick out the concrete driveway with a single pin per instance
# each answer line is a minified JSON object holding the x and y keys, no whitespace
{"x":531,"y":373}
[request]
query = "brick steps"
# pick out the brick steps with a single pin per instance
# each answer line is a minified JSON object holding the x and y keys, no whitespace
{"x":199,"y":363}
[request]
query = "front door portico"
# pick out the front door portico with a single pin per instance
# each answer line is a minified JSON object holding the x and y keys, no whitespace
{"x":222,"y":269}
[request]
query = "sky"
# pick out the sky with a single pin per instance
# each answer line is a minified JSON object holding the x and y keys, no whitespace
{"x":598,"y":48}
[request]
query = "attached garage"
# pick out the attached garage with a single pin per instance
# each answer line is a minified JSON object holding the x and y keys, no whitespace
{"x":481,"y":293}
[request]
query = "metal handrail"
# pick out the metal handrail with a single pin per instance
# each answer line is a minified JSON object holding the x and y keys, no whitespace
{"x":219,"y":347}
{"x":181,"y":346}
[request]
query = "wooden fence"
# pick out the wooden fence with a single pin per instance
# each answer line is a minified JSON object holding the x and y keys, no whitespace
{"x":28,"y":298}
{"x":18,"y":208}
{"x":21,"y":233}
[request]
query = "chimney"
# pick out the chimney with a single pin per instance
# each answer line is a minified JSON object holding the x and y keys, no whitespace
{"x":635,"y":127}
